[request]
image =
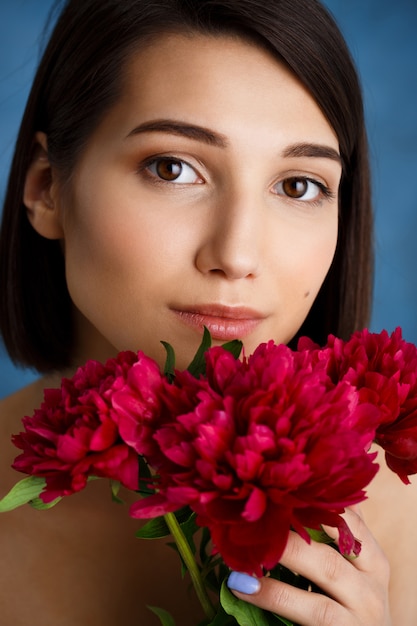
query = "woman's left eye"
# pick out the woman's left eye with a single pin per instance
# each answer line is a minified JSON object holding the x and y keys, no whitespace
{"x":172,"y":170}
{"x":301,"y":188}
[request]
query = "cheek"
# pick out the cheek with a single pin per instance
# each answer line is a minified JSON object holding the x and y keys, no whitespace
{"x":98,"y":245}
{"x":320,"y":258}
{"x":119,"y":254}
{"x":310,"y":251}
{"x":312,"y":258}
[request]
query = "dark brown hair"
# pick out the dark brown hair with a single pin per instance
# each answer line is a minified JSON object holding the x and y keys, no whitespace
{"x":78,"y":80}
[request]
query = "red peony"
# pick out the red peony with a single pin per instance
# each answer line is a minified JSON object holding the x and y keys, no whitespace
{"x":383,"y":367}
{"x":74,"y":434}
{"x":137,"y":407}
{"x":260,"y":446}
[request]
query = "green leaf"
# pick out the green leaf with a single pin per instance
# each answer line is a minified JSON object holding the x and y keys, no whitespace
{"x":198,"y":364}
{"x":222,"y":619}
{"x":244,"y":613}
{"x":284,"y":621}
{"x":184,"y":514}
{"x":24,"y":491}
{"x":169,"y":368}
{"x":40,"y":505}
{"x":154,"y":529}
{"x":205,"y":552}
{"x":165,"y":618}
{"x":157,"y":527}
{"x":189,"y":528}
{"x":115,"y":488}
{"x":320,"y":536}
{"x":234,"y":347}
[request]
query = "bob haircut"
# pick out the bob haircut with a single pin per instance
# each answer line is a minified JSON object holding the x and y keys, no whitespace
{"x":80,"y":77}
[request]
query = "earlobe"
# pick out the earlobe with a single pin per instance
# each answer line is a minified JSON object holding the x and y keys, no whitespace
{"x":38,"y":194}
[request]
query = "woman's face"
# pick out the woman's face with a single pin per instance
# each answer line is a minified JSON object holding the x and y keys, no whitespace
{"x":207,"y":196}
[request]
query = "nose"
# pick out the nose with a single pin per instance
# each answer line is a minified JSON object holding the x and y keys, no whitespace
{"x":231,"y":243}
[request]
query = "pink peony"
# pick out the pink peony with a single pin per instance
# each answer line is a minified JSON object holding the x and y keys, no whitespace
{"x":75,"y":434}
{"x":258,"y":447}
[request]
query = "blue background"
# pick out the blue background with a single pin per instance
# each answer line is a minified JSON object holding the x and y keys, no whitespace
{"x":382,"y":38}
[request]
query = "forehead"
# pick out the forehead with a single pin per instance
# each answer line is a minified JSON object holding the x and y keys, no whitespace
{"x":216,"y":81}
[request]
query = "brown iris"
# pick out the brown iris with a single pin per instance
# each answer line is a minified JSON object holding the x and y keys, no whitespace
{"x":168,"y":169}
{"x":295,"y":187}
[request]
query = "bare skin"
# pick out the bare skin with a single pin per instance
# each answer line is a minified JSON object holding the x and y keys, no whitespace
{"x":391,"y":511}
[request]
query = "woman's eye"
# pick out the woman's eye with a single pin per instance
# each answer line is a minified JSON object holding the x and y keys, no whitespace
{"x":173,"y":170}
{"x":301,"y":188}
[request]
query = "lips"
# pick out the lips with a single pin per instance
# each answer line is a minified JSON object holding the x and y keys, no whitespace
{"x":224,"y":323}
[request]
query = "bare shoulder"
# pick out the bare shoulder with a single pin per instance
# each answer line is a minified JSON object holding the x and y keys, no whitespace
{"x":391,"y":513}
{"x":25,"y":400}
{"x":22,"y":402}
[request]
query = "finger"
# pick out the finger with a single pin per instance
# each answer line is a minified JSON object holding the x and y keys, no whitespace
{"x":371,"y":555}
{"x":347,"y":581}
{"x":302,"y":607}
{"x":326,"y":568}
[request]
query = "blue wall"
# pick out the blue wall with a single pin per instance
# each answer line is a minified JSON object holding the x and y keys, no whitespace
{"x":381,"y":35}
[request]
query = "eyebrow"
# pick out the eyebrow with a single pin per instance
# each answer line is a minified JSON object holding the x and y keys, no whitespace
{"x":191,"y":131}
{"x":212,"y":138}
{"x":312,"y":150}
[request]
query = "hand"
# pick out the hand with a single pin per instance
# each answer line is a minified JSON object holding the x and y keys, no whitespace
{"x":357,"y":589}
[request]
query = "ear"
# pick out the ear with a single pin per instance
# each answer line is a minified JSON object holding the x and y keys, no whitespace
{"x":40,"y":192}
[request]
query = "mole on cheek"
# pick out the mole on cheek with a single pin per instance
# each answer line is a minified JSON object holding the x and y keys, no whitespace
{"x":307,"y":293}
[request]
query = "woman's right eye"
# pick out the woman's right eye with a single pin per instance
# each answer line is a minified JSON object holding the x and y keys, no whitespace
{"x":172,"y":170}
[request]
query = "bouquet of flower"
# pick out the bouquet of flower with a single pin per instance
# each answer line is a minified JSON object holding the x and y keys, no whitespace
{"x":233,"y":451}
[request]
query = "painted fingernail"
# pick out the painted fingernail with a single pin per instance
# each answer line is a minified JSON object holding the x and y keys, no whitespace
{"x":243,"y":583}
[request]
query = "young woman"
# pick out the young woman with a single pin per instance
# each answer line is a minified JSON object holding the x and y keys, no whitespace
{"x":184,"y":163}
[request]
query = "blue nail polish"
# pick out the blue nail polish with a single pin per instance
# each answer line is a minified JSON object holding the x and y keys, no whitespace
{"x":243,"y":583}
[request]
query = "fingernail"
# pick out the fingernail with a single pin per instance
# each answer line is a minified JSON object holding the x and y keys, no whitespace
{"x":243,"y":583}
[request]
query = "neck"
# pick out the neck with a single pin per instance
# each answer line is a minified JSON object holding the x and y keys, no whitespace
{"x":89,"y":343}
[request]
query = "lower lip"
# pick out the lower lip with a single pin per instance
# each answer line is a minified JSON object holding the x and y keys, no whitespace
{"x":221,"y":328}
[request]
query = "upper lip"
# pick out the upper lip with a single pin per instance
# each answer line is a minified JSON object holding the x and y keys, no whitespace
{"x":221,"y":310}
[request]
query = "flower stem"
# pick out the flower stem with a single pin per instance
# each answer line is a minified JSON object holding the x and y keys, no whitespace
{"x":190,"y":562}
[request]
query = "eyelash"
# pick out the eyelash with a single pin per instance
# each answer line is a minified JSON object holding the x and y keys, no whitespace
{"x":324,"y":192}
{"x":145,"y":167}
